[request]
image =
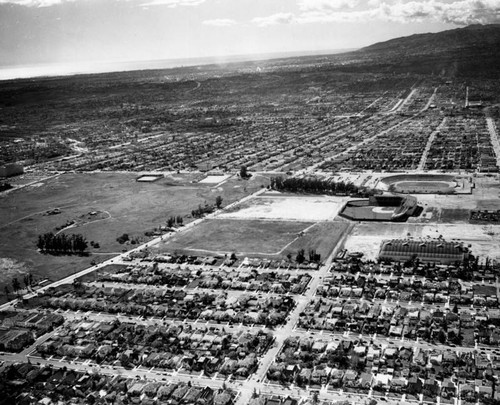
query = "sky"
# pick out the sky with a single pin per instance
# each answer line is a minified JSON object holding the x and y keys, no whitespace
{"x":88,"y":31}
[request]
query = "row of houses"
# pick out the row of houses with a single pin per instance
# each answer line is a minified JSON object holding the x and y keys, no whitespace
{"x":26,"y":384}
{"x":170,"y":347}
{"x":366,"y":367}
{"x":463,"y":327}
{"x":172,"y":303}
{"x":191,"y":278}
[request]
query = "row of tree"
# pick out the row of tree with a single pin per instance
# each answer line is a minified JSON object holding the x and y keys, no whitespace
{"x":207,"y":208}
{"x":314,"y":257}
{"x":62,"y":243}
{"x":313,"y":186}
{"x":16,"y":285}
{"x":172,"y":221}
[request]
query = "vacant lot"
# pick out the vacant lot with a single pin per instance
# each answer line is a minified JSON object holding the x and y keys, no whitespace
{"x":256,"y":238}
{"x":287,"y":207}
{"x":131,"y":207}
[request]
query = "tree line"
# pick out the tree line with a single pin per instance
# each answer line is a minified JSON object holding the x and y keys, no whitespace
{"x":313,"y":186}
{"x":62,"y":243}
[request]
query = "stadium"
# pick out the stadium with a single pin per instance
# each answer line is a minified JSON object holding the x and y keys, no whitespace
{"x":419,"y":184}
{"x":391,"y":208}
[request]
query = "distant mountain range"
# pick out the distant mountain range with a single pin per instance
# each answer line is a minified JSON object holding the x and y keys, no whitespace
{"x":469,"y":51}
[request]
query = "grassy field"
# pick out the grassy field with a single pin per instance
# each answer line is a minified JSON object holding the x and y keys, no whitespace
{"x":323,"y":237}
{"x":131,"y":207}
{"x":220,"y":236}
{"x":255,"y":238}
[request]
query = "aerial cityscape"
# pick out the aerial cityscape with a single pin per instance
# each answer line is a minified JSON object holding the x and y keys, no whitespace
{"x":315,"y":229}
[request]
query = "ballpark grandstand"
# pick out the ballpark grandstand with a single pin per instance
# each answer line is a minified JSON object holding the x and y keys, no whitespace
{"x":382,"y":208}
{"x":435,"y":251}
{"x":419,"y":184}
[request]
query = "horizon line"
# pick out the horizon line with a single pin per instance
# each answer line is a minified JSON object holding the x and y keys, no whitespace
{"x":66,"y":69}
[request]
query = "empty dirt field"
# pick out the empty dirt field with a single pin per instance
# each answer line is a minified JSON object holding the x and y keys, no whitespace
{"x":289,"y":208}
{"x":122,"y":205}
{"x":367,"y":238}
{"x":255,"y":238}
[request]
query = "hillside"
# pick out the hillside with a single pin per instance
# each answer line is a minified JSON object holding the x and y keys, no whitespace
{"x":469,"y":51}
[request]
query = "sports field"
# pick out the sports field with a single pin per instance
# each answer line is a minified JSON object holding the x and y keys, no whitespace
{"x":419,"y":183}
{"x":130,"y":207}
{"x":255,"y":238}
{"x":424,"y":185}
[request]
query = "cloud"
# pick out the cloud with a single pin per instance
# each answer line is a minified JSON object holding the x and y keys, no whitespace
{"x":48,"y":3}
{"x":220,"y":22}
{"x":173,"y":3}
{"x":35,"y":3}
{"x":274,"y":19}
{"x":458,"y":12}
{"x":461,"y":12}
{"x":318,"y":5}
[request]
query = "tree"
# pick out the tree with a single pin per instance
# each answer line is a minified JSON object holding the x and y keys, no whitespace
{"x":244,"y":172}
{"x":315,"y":397}
{"x":15,"y":285}
{"x":7,"y":291}
{"x":300,"y":256}
{"x":314,"y":256}
{"x":442,"y":336}
{"x":77,"y":283}
{"x":218,"y":201}
{"x":122,"y":239}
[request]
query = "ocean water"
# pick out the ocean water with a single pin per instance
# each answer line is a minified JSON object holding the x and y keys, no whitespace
{"x":67,"y":69}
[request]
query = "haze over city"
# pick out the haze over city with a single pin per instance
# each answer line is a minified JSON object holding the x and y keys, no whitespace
{"x":84,"y":35}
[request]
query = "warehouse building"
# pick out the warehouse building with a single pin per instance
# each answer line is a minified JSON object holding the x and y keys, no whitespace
{"x":437,"y":251}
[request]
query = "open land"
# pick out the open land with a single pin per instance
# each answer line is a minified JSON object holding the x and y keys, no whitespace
{"x":289,"y":208}
{"x":121,"y":205}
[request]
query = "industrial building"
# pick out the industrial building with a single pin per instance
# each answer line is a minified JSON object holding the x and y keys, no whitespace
{"x":436,"y":251}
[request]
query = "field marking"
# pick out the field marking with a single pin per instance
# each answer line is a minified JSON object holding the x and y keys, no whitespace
{"x":76,"y":225}
{"x":36,"y":213}
{"x":304,"y":231}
